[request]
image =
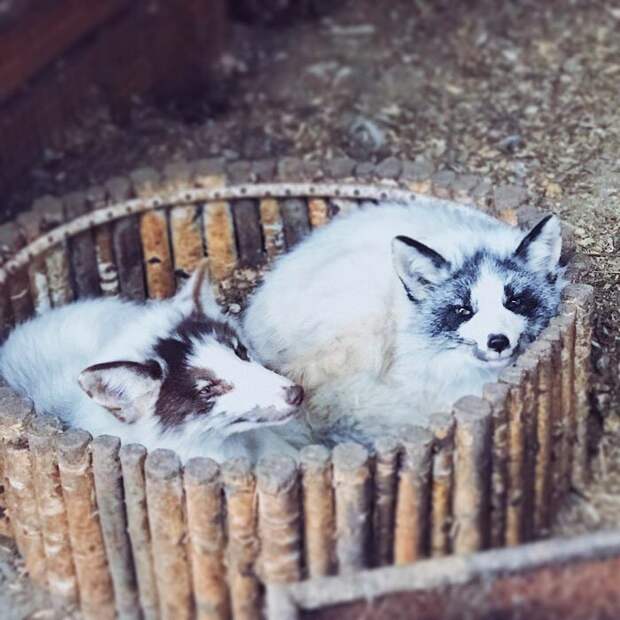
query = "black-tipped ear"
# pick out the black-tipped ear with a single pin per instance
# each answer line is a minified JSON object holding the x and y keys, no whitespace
{"x":418,"y":266}
{"x":542,"y":246}
{"x":128,"y":390}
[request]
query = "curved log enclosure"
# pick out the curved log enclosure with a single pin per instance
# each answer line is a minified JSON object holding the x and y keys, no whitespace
{"x":122,"y":532}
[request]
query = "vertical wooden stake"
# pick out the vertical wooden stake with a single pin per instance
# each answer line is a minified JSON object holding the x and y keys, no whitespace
{"x":497,"y":394}
{"x":319,"y":514}
{"x":240,"y":490}
{"x":273,"y":231}
{"x":352,"y":492}
{"x":61,"y":576}
{"x":318,"y":212}
{"x":387,"y":450}
{"x":132,"y":458}
{"x":514,"y":377}
{"x":111,"y":504}
{"x":205,"y":522}
{"x":279,"y":519}
{"x":412,"y":519}
{"x":16,"y":301}
{"x":164,"y":492}
{"x":472,"y":480}
{"x":442,"y":426}
{"x":74,"y":463}
{"x":581,"y":298}
{"x":154,"y":233}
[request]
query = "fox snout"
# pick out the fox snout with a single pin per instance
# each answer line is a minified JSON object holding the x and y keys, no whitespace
{"x":294,"y":395}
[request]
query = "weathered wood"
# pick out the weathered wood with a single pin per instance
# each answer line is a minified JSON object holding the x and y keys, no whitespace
{"x":154,"y":233}
{"x":111,"y":505}
{"x":132,"y":458}
{"x":318,"y":212}
{"x":82,"y":254}
{"x":279,"y":519}
{"x":273,"y":231}
{"x":514,"y":377}
{"x":295,"y":219}
{"x":31,"y":226}
{"x":319,"y":511}
{"x":16,"y":301}
{"x":95,"y":584}
{"x":247,"y":224}
{"x":127,"y":244}
{"x":442,"y":427}
{"x":387,"y":451}
{"x":581,"y":298}
{"x":61,"y":575}
{"x":472,"y":474}
{"x":207,"y":542}
{"x":243,"y":543}
{"x":352,"y":493}
{"x":185,"y":224}
{"x":104,"y":246}
{"x":219,"y":230}
{"x":413,"y":510}
{"x":497,"y":394}
{"x":164,"y":492}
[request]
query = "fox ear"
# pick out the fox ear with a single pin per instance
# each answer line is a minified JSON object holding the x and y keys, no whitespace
{"x":198,"y":291}
{"x":542,"y":246}
{"x":418,"y":266}
{"x":129,"y":390}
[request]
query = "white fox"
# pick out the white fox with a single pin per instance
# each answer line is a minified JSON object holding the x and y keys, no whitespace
{"x":167,"y":374}
{"x":395,"y":311}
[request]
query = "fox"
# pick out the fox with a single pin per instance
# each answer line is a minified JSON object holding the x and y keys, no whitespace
{"x":173,"y":373}
{"x":393,"y":312}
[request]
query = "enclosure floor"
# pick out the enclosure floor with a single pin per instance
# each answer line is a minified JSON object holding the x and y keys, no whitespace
{"x":521,"y":92}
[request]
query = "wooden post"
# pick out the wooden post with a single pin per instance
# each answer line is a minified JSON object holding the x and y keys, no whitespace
{"x":279,"y":519}
{"x":412,"y":519}
{"x":514,"y":377}
{"x":95,"y":584}
{"x":442,"y":427}
{"x":61,"y":576}
{"x":273,"y":231}
{"x":472,"y":479}
{"x":16,"y":302}
{"x":542,"y":351}
{"x":319,"y":512}
{"x":164,"y":492}
{"x":352,"y":493}
{"x":205,"y":523}
{"x":104,"y":247}
{"x":132,"y":458}
{"x":31,"y":226}
{"x":497,"y":394}
{"x":126,"y":243}
{"x":581,"y":298}
{"x":111,"y":504}
{"x":185,"y":224}
{"x":387,"y":450}
{"x":22,"y":503}
{"x":318,"y":212}
{"x":219,"y":230}
{"x":553,"y":337}
{"x":529,"y":364}
{"x":82,"y":254}
{"x":243,"y":544}
{"x":154,"y":234}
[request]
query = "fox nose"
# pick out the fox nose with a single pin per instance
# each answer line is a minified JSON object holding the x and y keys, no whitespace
{"x":294,"y":395}
{"x":498,"y":342}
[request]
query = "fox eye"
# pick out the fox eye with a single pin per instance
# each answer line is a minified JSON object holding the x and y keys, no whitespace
{"x":515,"y":302}
{"x":208,"y":389}
{"x":464,"y":312}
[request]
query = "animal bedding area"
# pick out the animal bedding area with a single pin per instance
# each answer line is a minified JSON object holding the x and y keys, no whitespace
{"x":522,"y":93}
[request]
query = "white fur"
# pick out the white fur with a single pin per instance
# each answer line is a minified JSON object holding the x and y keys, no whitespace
{"x":333,"y":314}
{"x":45,"y":359}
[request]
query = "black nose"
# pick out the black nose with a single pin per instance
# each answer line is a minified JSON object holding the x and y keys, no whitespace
{"x":498,"y":342}
{"x":294,"y":395}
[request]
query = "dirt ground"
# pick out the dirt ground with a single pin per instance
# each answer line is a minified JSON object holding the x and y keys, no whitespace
{"x":521,"y":92}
